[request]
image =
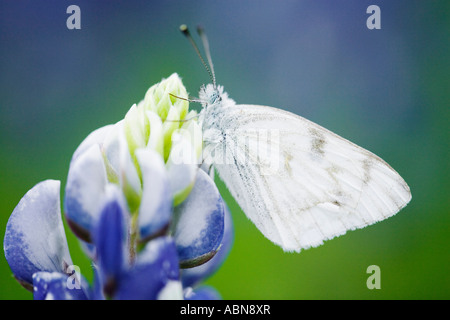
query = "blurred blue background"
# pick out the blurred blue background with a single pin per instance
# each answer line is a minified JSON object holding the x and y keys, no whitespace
{"x":386,"y":90}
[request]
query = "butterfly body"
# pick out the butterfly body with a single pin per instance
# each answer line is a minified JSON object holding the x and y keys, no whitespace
{"x":299,"y":183}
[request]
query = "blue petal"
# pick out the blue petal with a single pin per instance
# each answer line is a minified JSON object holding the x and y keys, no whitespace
{"x":202,"y":293}
{"x":191,"y":277}
{"x":97,"y":287}
{"x":34,"y":238}
{"x":111,"y":238}
{"x":85,"y":188}
{"x":199,"y":223}
{"x":155,"y":267}
{"x":155,"y":210}
{"x":56,"y":286}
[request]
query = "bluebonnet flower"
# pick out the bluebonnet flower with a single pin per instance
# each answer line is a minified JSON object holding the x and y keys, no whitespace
{"x":140,"y":205}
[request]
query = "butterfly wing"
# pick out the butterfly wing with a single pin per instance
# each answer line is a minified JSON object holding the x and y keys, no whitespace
{"x":299,"y":183}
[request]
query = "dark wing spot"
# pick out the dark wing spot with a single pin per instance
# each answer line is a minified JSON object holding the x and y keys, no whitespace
{"x":317,"y":142}
{"x":367,"y":166}
{"x":336,"y":203}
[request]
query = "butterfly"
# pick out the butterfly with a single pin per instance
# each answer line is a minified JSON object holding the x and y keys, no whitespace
{"x":299,"y":183}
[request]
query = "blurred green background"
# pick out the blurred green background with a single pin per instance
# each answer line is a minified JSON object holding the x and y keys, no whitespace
{"x":386,"y":90}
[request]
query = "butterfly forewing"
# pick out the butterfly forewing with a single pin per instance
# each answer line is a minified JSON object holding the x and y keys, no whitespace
{"x":298,"y":182}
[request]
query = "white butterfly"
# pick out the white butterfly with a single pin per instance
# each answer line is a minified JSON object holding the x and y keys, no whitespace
{"x":299,"y":183}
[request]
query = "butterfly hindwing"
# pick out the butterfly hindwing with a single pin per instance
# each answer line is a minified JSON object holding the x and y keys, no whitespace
{"x":300,"y":183}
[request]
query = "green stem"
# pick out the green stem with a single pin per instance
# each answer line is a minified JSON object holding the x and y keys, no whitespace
{"x":133,"y":236}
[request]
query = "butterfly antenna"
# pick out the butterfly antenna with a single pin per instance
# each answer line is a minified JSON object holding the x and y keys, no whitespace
{"x":187,"y":99}
{"x":184,"y":29}
{"x":183,"y":120}
{"x":205,"y":42}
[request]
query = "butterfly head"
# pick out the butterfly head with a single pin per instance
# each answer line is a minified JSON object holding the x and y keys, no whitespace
{"x":210,"y":94}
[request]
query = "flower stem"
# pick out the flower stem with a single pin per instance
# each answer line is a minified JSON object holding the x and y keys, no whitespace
{"x":133,"y":236}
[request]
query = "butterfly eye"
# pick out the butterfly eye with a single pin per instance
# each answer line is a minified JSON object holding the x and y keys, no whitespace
{"x":215,"y":97}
